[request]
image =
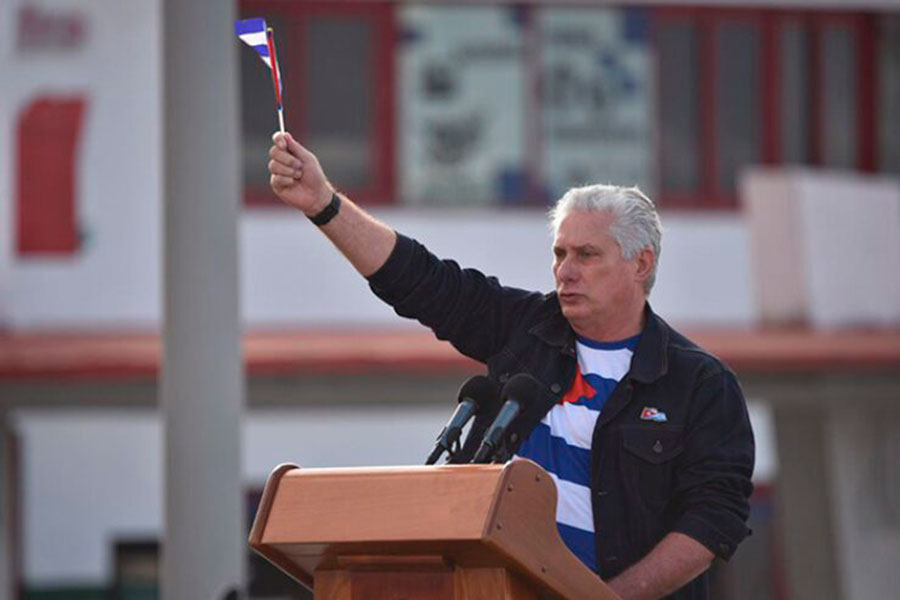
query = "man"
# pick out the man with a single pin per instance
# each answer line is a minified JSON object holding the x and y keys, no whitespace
{"x":646,"y":435}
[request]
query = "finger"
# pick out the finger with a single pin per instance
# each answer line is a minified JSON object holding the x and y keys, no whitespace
{"x":280,"y":182}
{"x":277,"y":168}
{"x":284,"y":158}
{"x":296,"y":149}
{"x":278,"y":140}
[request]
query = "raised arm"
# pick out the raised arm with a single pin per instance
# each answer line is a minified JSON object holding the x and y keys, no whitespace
{"x":298,"y":180}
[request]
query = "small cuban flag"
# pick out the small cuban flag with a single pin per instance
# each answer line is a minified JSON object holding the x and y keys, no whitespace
{"x":653,"y":414}
{"x":255,"y":34}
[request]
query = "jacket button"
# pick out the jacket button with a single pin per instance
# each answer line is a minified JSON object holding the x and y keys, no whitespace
{"x":602,"y":493}
{"x":657,"y":447}
{"x":514,"y":437}
{"x":556,"y":388}
{"x":612,"y":558}
{"x":504,"y":377}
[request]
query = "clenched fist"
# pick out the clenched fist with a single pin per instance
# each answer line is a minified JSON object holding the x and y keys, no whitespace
{"x":296,"y":175}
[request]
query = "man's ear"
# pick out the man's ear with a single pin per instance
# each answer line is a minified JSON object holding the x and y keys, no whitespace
{"x":645,"y":260}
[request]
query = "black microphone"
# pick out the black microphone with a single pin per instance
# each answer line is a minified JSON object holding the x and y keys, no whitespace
{"x":518,"y":393}
{"x":474,"y":395}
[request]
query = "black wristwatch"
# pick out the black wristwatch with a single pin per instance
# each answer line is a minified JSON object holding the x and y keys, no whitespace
{"x":324,"y":216}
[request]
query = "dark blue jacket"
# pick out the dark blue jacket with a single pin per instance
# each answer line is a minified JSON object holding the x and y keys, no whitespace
{"x":690,"y":474}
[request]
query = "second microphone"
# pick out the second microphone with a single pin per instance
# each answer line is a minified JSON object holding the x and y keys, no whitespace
{"x":517,"y":395}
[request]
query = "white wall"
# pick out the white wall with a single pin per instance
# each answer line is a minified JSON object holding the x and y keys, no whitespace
{"x":291,"y":274}
{"x":115,"y":276}
{"x":90,"y":476}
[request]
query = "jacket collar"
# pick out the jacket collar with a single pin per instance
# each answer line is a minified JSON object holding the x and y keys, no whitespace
{"x":650,"y":360}
{"x":555,"y":329}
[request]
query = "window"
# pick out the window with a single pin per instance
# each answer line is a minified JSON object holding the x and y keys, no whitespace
{"x":737,"y":101}
{"x":336,"y":63}
{"x":888,"y":74}
{"x":827,"y":90}
{"x":339,"y":94}
{"x":741,"y":87}
{"x":794,"y":58}
{"x":839,"y":96}
{"x":711,"y":104}
{"x":678,"y":53}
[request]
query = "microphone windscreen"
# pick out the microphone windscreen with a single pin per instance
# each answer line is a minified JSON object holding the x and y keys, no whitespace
{"x":482,"y":390}
{"x":523,"y":388}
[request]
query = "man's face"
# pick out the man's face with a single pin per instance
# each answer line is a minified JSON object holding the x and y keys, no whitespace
{"x":595,"y":284}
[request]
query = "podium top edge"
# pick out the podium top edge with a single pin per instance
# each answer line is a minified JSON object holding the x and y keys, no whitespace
{"x":387,"y":470}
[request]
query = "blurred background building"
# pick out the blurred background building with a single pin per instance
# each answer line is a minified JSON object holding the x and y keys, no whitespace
{"x":457,"y":123}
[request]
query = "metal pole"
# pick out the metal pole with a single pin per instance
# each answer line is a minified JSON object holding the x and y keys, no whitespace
{"x":202,"y":386}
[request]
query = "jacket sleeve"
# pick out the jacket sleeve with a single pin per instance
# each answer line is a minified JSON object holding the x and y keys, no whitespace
{"x":463,"y":306}
{"x":713,"y":479}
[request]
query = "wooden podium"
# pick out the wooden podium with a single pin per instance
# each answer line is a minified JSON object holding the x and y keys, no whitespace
{"x":455,"y":532}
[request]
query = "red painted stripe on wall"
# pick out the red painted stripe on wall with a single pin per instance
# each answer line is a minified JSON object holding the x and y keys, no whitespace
{"x":48,"y":134}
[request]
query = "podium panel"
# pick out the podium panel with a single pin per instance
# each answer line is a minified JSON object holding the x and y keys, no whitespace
{"x":459,"y":532}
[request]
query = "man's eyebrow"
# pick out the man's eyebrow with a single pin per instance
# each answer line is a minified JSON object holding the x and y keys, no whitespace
{"x":563,"y":248}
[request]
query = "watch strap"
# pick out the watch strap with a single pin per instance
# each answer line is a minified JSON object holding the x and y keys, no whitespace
{"x":327,"y":213}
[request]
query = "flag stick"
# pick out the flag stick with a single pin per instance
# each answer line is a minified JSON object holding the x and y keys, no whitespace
{"x":270,"y":40}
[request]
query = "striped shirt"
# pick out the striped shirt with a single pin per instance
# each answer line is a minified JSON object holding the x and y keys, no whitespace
{"x":561,"y":442}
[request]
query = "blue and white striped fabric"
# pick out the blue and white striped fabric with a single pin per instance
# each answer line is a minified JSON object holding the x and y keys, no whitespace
{"x":561,"y":443}
{"x":253,"y":33}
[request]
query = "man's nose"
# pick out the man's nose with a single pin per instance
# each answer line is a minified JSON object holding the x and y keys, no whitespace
{"x":566,"y":270}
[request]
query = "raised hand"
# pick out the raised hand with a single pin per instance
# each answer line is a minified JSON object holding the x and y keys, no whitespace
{"x":296,"y":175}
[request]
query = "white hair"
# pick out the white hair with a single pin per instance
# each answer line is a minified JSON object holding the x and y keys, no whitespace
{"x":635,"y":225}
